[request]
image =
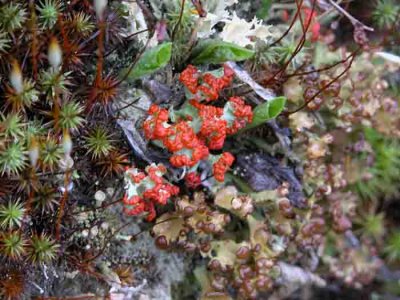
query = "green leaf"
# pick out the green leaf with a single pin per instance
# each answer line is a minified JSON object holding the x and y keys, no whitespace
{"x":216,"y":52}
{"x":151,"y":61}
{"x":267,"y":111}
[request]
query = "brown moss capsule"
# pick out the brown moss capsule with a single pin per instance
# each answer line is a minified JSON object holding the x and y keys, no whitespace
{"x":243,"y":252}
{"x":285,"y":208}
{"x":338,"y":102}
{"x":190,"y":247}
{"x":16,"y":77}
{"x":229,"y":268}
{"x":341,"y":224}
{"x":283,"y":190}
{"x":247,"y":287}
{"x":200,"y":225}
{"x":309,"y":93}
{"x":263,"y":265}
{"x":257,"y":248}
{"x":205,"y":247}
{"x":316,"y":225}
{"x":161,"y":242}
{"x":263,"y":283}
{"x":227,"y":219}
{"x":202,"y":209}
{"x":188,"y":211}
{"x":318,"y":101}
{"x":214,"y":265}
{"x":245,"y":272}
{"x":312,"y":105}
{"x":211,"y":228}
{"x":219,"y":283}
{"x":354,"y":101}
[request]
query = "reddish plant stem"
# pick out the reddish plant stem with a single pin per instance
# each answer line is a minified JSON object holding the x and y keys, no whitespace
{"x":351,"y":57}
{"x":66,"y":43}
{"x":199,"y":8}
{"x":62,"y":205}
{"x":319,"y":70}
{"x":288,"y":30}
{"x":100,"y":54}
{"x":299,"y":45}
{"x":34,"y":43}
{"x":99,"y":66}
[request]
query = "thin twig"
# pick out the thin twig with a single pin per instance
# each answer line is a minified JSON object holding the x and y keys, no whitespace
{"x":62,"y":205}
{"x":352,"y":56}
{"x":300,"y":44}
{"x":127,"y":38}
{"x":319,"y":70}
{"x":353,"y":20}
{"x":288,"y":30}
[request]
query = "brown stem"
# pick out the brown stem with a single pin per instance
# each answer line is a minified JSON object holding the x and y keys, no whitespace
{"x":351,"y":57}
{"x":319,"y":70}
{"x":300,"y":44}
{"x":288,"y":30}
{"x":353,"y":20}
{"x":62,"y":205}
{"x":199,"y":8}
{"x":150,"y":19}
{"x":34,"y":43}
{"x":99,"y":66}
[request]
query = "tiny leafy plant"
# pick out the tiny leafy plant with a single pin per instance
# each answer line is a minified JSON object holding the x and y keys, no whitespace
{"x":386,"y":13}
{"x":392,"y":248}
{"x":11,"y":215}
{"x":98,"y":142}
{"x":13,"y":245}
{"x":42,"y":249}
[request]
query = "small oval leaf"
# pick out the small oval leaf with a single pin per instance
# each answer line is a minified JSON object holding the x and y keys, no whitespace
{"x":151,"y":61}
{"x":217,"y":52}
{"x":276,"y":106}
{"x":267,"y":111}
